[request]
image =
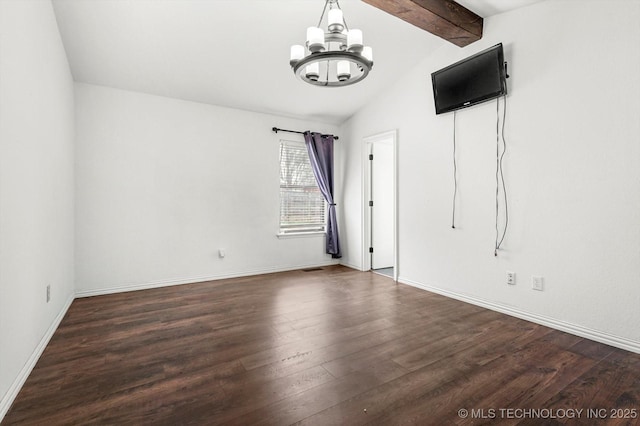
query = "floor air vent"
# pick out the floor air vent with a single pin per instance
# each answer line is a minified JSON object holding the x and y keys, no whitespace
{"x":311,"y":269}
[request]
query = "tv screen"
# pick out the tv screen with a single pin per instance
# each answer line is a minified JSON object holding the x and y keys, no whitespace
{"x":473,"y":80}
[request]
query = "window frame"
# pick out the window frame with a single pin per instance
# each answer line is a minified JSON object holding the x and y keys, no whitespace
{"x":312,"y":229}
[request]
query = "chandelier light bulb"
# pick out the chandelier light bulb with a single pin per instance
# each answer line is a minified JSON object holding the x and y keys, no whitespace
{"x":367,"y":53}
{"x":354,"y":41}
{"x":336,"y":21}
{"x":297,"y":53}
{"x":343,"y":69}
{"x":313,"y":71}
{"x":315,"y":39}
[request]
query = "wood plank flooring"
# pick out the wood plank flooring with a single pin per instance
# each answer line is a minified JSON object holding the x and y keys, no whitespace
{"x":324,"y":347}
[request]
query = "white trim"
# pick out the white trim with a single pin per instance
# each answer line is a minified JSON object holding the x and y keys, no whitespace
{"x":578,"y":330}
{"x":286,"y":235}
{"x":352,"y":266}
{"x":199,"y":279}
{"x":15,"y":387}
{"x":367,"y":146}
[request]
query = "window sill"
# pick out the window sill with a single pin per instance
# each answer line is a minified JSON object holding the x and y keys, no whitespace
{"x":300,"y":234}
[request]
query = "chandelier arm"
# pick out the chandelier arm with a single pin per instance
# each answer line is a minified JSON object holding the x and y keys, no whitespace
{"x":323,"y":11}
{"x":327,"y":77}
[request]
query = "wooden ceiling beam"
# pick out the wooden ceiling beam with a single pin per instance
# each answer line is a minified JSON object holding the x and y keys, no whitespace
{"x":444,"y":18}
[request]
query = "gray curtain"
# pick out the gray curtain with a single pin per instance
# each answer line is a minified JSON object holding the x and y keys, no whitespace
{"x":320,"y":148}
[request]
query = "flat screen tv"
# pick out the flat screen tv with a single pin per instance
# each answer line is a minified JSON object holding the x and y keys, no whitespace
{"x":473,"y":80}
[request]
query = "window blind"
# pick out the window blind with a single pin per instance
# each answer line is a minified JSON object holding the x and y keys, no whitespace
{"x":302,"y":206}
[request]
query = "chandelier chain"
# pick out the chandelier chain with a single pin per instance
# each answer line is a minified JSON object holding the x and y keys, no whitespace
{"x":323,"y":11}
{"x":343,"y":18}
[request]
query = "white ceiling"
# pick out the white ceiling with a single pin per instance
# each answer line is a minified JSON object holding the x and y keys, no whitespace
{"x":235,"y":53}
{"x":486,"y":8}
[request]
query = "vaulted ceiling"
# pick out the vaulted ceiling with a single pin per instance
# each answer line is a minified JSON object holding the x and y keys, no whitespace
{"x":235,"y":53}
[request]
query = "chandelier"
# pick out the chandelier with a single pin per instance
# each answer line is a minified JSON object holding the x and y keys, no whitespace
{"x":333,"y":58}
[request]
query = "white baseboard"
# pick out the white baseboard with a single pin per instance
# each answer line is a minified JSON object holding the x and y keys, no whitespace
{"x":578,"y":330}
{"x":352,"y":266}
{"x":15,"y":387}
{"x":191,"y":280}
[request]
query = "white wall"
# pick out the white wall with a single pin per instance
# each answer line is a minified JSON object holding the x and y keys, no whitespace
{"x":36,"y":187}
{"x":162,"y":184}
{"x":572,"y":170}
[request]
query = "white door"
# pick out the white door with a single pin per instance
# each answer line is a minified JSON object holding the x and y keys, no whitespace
{"x":382,"y":198}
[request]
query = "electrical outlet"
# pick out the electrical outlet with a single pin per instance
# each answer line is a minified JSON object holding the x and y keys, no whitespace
{"x":48,"y":293}
{"x":537,"y":283}
{"x":511,"y":278}
{"x":222,"y":253}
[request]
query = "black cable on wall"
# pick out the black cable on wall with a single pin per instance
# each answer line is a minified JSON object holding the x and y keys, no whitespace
{"x":500,"y":175}
{"x":455,"y":175}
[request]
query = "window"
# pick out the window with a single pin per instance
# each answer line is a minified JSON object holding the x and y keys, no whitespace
{"x":302,"y":206}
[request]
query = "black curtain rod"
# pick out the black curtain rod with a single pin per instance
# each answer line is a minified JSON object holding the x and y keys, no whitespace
{"x":276,"y":130}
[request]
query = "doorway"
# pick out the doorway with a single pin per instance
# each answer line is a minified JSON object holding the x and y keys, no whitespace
{"x":380,"y":252}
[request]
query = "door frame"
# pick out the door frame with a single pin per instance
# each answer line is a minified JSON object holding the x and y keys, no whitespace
{"x":367,"y":145}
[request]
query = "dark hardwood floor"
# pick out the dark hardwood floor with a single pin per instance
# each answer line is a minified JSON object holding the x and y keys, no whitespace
{"x":327,"y":347}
